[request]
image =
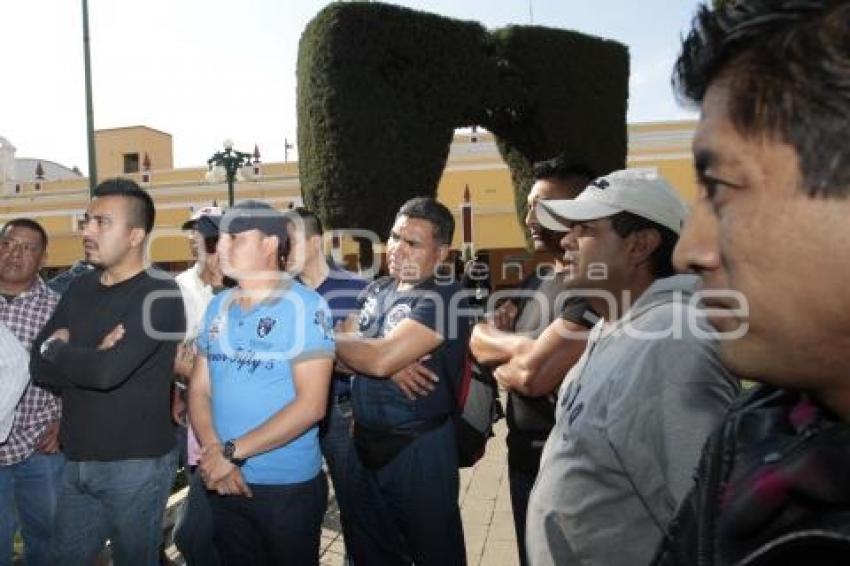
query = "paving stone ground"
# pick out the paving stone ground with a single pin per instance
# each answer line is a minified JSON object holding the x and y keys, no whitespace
{"x":485,"y":507}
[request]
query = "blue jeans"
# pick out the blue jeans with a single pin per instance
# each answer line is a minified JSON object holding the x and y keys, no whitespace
{"x":194,"y":528}
{"x":336,"y":448}
{"x":122,"y":501}
{"x":406,"y":512}
{"x":32,"y":488}
{"x":279,"y":524}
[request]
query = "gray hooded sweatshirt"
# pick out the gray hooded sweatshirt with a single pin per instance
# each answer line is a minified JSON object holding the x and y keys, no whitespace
{"x":632,"y":417}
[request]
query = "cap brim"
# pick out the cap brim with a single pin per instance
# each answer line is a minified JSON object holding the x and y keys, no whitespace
{"x":557,"y":214}
{"x":207,"y":226}
{"x":189,"y":224}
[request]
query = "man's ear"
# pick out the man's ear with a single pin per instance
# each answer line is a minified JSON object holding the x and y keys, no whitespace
{"x":644,"y":243}
{"x":444,"y":252}
{"x":137,"y":237}
{"x":316,"y":243}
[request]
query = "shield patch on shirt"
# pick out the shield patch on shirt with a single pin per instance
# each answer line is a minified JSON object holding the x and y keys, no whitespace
{"x":325,"y":324}
{"x":264,"y":326}
{"x":396,"y":315}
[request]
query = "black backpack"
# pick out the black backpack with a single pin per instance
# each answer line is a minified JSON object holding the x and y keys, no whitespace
{"x":477,"y":409}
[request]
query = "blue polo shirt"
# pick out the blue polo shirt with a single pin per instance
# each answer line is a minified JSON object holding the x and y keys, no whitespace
{"x":251,"y":355}
{"x":341,"y":290}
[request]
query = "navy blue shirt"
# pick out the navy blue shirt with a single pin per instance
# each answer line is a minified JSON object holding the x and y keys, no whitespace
{"x":379,"y":403}
{"x":341,"y":289}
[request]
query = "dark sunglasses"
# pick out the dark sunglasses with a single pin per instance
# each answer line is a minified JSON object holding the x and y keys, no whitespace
{"x":210,"y":244}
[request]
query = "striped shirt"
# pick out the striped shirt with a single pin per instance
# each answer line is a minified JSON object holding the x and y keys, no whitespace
{"x":25,"y":315}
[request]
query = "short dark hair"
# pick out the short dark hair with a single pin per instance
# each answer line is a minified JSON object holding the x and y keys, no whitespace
{"x":311,"y":222}
{"x":786,"y":65}
{"x":625,"y":223}
{"x":427,"y":208}
{"x":561,"y":169}
{"x":30,"y":224}
{"x":142,"y":212}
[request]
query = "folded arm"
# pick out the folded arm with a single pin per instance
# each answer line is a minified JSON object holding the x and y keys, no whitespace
{"x":382,"y":357}
{"x":540,"y":369}
{"x":490,"y":345}
{"x":121,"y":351}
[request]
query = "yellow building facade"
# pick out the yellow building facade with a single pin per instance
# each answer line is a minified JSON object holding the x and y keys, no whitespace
{"x":473,"y":162}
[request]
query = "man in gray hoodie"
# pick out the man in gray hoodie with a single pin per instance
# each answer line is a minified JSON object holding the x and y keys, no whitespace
{"x":634,"y":412}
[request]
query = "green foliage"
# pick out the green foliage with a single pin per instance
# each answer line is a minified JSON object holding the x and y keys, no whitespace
{"x":573,"y":102}
{"x":382,"y":88}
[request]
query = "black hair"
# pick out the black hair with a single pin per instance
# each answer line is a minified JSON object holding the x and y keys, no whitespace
{"x":427,"y":208}
{"x":559,"y":168}
{"x":141,"y":212}
{"x":787,"y":66}
{"x":625,"y":223}
{"x":30,"y":224}
{"x":311,"y":222}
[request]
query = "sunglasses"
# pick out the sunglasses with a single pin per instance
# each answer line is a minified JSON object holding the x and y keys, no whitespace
{"x":210,"y":244}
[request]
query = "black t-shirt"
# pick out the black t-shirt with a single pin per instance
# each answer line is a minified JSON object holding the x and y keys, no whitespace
{"x":116,"y":403}
{"x":530,"y":419}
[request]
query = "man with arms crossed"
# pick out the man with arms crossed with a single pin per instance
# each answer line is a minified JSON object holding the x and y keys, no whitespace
{"x":509,"y":340}
{"x":258,"y":390}
{"x":404,"y":477}
{"x":768,"y":235}
{"x":193,"y":527}
{"x":109,"y":348}
{"x":30,"y":462}
{"x":634,"y":411}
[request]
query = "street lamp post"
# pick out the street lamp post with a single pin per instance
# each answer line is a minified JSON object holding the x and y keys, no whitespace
{"x":232,"y":160}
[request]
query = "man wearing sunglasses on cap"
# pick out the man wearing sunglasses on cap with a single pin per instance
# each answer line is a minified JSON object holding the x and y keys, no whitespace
{"x":193,"y":529}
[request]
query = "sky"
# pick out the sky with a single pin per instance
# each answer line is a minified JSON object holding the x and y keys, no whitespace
{"x":207,"y":70}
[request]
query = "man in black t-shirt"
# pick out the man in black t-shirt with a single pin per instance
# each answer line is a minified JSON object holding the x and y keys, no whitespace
{"x":405,"y":350}
{"x":109,"y":349}
{"x":507,"y":341}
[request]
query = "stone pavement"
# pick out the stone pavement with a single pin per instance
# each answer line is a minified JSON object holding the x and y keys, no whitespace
{"x":485,"y":506}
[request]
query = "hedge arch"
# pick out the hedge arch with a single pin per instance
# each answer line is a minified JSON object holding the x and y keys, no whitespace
{"x":382,"y":88}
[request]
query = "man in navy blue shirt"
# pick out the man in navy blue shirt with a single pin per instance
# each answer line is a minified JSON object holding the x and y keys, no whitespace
{"x":403,"y":473}
{"x":340,"y":290}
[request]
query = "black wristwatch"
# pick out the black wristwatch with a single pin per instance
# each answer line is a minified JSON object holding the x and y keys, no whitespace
{"x":229,"y":451}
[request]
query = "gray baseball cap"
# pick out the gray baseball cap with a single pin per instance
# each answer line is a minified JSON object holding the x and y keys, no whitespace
{"x":642,"y":192}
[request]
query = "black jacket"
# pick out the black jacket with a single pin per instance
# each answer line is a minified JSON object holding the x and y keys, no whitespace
{"x":773,"y":487}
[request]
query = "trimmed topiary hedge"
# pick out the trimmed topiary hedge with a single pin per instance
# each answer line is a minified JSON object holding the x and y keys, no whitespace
{"x":382,"y":88}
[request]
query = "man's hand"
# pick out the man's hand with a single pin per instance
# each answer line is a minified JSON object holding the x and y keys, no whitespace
{"x":49,"y":442}
{"x":506,"y":375}
{"x":416,"y":379}
{"x":233,"y":484}
{"x":214,"y":466}
{"x":178,"y":406}
{"x":61,"y":334}
{"x":349,"y":325}
{"x":112,"y":338}
{"x":504,"y":316}
{"x":184,"y":360}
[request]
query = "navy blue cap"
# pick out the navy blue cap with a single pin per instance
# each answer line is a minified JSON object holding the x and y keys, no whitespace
{"x":253,"y":215}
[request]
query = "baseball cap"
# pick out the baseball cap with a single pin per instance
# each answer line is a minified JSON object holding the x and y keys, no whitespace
{"x":198,"y":214}
{"x":641,"y":192}
{"x":254,"y":215}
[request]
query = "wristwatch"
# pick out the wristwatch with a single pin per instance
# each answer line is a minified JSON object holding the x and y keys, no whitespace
{"x":45,"y":347}
{"x":229,"y":452}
